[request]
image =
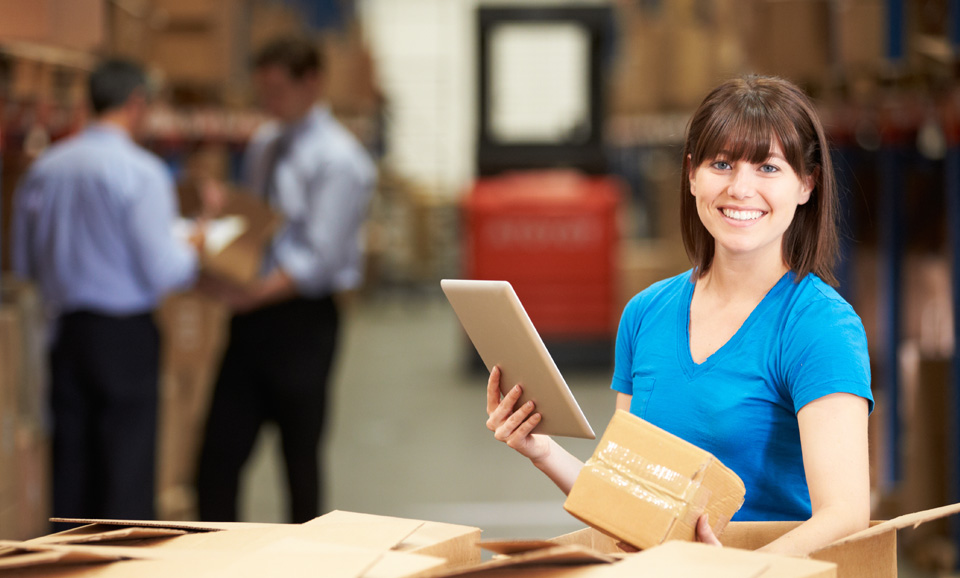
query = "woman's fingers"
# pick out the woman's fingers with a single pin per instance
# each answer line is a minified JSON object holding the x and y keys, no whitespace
{"x":493,"y":390}
{"x":705,"y":532}
{"x":504,"y":409}
{"x":505,"y":430}
{"x":523,"y":431}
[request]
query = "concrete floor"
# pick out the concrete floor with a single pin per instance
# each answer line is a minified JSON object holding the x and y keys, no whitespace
{"x":407,"y":436}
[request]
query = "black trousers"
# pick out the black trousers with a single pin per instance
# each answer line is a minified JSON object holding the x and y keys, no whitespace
{"x":104,"y":401}
{"x":275,"y":369}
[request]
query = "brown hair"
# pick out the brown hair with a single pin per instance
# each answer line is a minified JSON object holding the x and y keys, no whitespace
{"x":298,"y":56}
{"x":743,"y":118}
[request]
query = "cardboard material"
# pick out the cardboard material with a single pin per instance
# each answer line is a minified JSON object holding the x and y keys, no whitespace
{"x":640,"y":472}
{"x":458,"y":545}
{"x":9,"y":380}
{"x":289,"y":557}
{"x":570,"y":555}
{"x":240,"y":260}
{"x":406,"y":548}
{"x":669,"y":560}
{"x":694,"y":559}
{"x":193,"y":334}
{"x":243,"y":550}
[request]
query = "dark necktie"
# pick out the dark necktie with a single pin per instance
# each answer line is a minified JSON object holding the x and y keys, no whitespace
{"x":278,"y":150}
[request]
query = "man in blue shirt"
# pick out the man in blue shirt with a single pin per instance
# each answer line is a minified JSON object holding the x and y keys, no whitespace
{"x":93,"y":227}
{"x":313,"y":172}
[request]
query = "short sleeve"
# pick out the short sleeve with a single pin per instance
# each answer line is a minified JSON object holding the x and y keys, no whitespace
{"x":625,"y":346}
{"x":824,"y":352}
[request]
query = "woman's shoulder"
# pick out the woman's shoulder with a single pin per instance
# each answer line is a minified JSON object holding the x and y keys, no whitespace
{"x":814,"y":305}
{"x":811,"y":293}
{"x":660,"y":290}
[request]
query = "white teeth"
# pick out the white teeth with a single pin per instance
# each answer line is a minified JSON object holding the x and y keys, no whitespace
{"x":742,"y":215}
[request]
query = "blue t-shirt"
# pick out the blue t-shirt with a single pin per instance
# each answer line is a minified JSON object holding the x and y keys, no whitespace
{"x":802,"y":342}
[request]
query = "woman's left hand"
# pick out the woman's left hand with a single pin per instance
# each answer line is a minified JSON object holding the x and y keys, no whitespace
{"x":705,"y":532}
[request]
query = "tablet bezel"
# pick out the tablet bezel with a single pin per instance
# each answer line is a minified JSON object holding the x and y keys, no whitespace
{"x":502,"y":333}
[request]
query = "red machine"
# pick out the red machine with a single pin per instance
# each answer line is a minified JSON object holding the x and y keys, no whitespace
{"x":553,"y":235}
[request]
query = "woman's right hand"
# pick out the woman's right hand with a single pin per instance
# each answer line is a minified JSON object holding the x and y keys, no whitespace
{"x":511,"y":425}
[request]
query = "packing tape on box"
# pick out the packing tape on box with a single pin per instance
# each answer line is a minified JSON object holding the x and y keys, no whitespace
{"x":651,"y":482}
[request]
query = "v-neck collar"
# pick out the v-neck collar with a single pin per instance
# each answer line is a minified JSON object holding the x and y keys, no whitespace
{"x":692,"y":369}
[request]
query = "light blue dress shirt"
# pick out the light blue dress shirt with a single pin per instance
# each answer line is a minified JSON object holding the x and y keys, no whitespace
{"x":322,"y":186}
{"x":92,"y":225}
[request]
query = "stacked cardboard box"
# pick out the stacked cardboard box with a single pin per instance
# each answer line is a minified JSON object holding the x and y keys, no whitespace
{"x":72,"y":24}
{"x":24,"y":441}
{"x":193,"y":332}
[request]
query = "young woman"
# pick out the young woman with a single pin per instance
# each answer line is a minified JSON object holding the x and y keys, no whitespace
{"x":750,"y":355}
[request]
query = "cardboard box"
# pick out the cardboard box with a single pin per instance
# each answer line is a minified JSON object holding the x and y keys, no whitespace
{"x":9,"y":385}
{"x":458,"y":545}
{"x":285,"y":556}
{"x":540,"y":559}
{"x":34,"y":482}
{"x":407,"y":547}
{"x":645,"y":486}
{"x":927,"y":391}
{"x":871,"y":553}
{"x":240,"y":261}
{"x":75,"y":24}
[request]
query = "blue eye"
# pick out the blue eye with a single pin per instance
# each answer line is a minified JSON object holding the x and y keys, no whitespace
{"x":769,"y":169}
{"x":721,"y":165}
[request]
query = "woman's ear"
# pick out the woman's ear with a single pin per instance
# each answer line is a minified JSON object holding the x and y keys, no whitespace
{"x":809,"y":183}
{"x":691,"y":171}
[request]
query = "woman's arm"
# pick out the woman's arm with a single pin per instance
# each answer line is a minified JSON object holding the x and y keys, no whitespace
{"x":514,"y":426}
{"x":833,"y":435}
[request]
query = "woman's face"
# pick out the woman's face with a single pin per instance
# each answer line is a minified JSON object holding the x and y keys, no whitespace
{"x":748,"y":207}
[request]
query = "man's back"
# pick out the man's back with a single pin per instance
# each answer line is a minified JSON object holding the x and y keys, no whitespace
{"x":92,"y":226}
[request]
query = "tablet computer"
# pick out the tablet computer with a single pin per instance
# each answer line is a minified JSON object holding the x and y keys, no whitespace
{"x":500,"y":329}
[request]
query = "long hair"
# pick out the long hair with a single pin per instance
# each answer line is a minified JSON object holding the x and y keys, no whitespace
{"x":743,"y":118}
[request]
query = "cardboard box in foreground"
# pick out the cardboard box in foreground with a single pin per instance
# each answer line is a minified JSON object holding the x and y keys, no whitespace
{"x":640,"y":472}
{"x":871,"y":553}
{"x":339,"y":545}
{"x":531,"y":559}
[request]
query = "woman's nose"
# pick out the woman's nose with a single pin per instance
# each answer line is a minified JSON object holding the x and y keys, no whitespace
{"x":741,"y":183}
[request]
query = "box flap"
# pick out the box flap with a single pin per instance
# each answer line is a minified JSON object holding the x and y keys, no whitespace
{"x":900,"y":522}
{"x":25,"y":554}
{"x":669,"y":562}
{"x":402,"y":564}
{"x":367,"y":530}
{"x":177,"y":525}
{"x":287,"y":556}
{"x":105,"y":533}
{"x":571,"y":555}
{"x":292,"y":557}
{"x":512,"y":547}
{"x":592,"y":538}
{"x":677,"y":558}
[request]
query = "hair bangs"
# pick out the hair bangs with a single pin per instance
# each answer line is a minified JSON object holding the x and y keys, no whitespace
{"x":747,"y":131}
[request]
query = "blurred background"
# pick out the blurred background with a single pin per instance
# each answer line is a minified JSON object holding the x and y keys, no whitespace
{"x":537,"y":142}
